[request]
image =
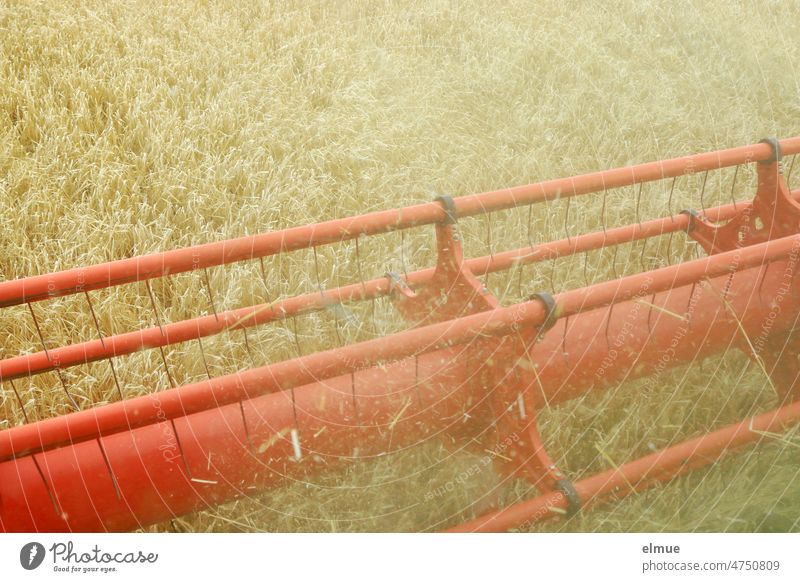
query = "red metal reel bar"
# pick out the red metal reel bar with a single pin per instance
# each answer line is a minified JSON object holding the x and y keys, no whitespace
{"x":251,"y":247}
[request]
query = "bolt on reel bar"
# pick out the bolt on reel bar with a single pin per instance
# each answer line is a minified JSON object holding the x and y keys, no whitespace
{"x":466,"y":366}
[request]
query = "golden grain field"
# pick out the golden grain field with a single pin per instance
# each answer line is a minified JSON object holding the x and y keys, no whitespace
{"x":133,"y":127}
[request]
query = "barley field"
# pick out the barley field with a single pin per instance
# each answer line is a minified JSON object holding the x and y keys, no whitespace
{"x":133,"y":127}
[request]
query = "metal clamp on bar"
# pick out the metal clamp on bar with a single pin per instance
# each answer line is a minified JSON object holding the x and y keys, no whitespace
{"x":450,"y":211}
{"x":776,"y":150}
{"x":550,"y":308}
{"x":574,"y":502}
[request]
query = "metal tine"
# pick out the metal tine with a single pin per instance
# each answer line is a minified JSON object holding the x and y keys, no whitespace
{"x":689,"y":302}
{"x":102,"y":341}
{"x":641,"y":255}
{"x":586,"y":269}
{"x":733,"y":186}
{"x":764,"y":268}
{"x":19,"y":401}
{"x":264,"y":279}
{"x":203,"y":357}
{"x":416,"y":379}
{"x":530,"y":244}
{"x":47,"y":354}
{"x":566,"y":215}
{"x":364,"y":287}
{"x":322,"y":294}
{"x":638,"y":204}
{"x":650,"y":313}
{"x":210,"y":294}
{"x":108,"y":466}
{"x":670,"y":213}
{"x":488,"y":218}
{"x":161,"y":327}
{"x":614,"y":262}
{"x":403,"y":253}
{"x":530,"y":218}
{"x":247,"y":346}
{"x":608,"y":325}
{"x":296,"y":338}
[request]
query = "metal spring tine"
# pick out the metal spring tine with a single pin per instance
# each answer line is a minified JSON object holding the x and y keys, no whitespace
{"x":203,"y":357}
{"x":641,"y":255}
{"x":316,"y":272}
{"x":19,"y":401}
{"x":765,"y":268}
{"x":296,"y":338}
{"x":295,"y":434}
{"x":364,"y":288}
{"x":614,"y":262}
{"x":689,"y":303}
{"x":608,"y":325}
{"x":161,"y":327}
{"x":247,"y":346}
{"x":733,"y":186}
{"x":246,"y":428}
{"x":416,"y":379}
{"x":671,"y":214}
{"x":566,"y":219}
{"x":153,"y":305}
{"x":46,"y":485}
{"x":650,"y":313}
{"x":322,"y":294}
{"x":791,"y":167}
{"x":586,"y":269}
{"x":47,"y":354}
{"x":638,"y":204}
{"x":703,"y":192}
{"x":669,"y":199}
{"x":264,"y":279}
{"x":488,"y":218}
{"x":210,"y":294}
{"x":180,"y":447}
{"x":603,"y":212}
{"x":530,"y":226}
{"x":108,"y":466}
{"x":102,"y":341}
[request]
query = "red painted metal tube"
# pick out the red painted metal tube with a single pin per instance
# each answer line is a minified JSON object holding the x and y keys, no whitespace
{"x":200,"y":327}
{"x":192,"y":398}
{"x":155,"y":265}
{"x":641,"y":473}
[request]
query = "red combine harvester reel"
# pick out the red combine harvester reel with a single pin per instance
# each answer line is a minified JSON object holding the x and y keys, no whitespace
{"x":466,"y":367}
